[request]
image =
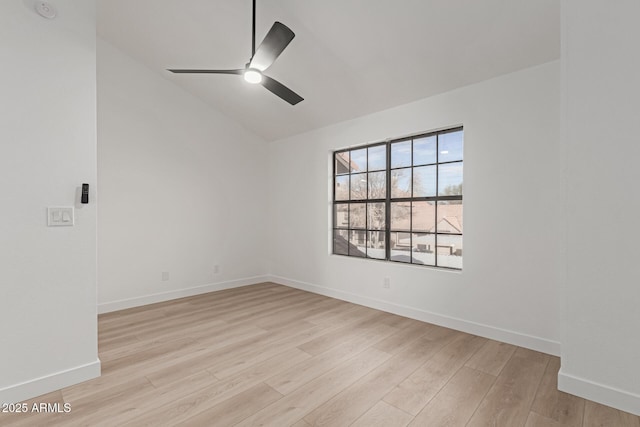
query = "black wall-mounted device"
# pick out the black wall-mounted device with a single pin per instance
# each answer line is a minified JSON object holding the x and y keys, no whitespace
{"x":85,"y":194}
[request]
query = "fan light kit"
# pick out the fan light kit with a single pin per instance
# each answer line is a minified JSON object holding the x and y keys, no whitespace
{"x":276,"y":40}
{"x":253,"y":76}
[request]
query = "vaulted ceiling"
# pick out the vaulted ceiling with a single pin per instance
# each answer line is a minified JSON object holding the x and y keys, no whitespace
{"x":349,"y":57}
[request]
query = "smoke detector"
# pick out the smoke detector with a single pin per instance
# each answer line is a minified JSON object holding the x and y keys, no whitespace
{"x":46,"y":10}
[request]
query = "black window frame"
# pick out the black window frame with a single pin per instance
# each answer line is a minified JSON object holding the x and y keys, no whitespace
{"x":388,"y":200}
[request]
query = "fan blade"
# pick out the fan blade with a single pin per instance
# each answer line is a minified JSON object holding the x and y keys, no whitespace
{"x":281,"y":90}
{"x":278,"y":37}
{"x":207,"y":71}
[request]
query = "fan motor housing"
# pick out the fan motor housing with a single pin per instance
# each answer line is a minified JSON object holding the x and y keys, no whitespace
{"x":46,"y":10}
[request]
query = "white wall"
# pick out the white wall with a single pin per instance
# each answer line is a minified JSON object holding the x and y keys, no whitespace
{"x":513,"y":207}
{"x":601,"y":100}
{"x":47,"y":150}
{"x":182,"y":189}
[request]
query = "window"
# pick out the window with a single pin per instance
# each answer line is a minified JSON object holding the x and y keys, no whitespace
{"x":401,"y":200}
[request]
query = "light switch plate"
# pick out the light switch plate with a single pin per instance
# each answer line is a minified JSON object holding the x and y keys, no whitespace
{"x":60,"y":216}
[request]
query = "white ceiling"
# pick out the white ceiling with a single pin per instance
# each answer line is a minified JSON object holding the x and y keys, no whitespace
{"x":349,"y":57}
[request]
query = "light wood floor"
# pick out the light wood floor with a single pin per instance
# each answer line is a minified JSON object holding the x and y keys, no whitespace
{"x":270,"y":355}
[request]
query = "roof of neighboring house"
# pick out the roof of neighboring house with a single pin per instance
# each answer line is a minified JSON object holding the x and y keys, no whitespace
{"x":423,"y":218}
{"x":450,"y":224}
{"x":343,"y":159}
{"x":342,"y":246}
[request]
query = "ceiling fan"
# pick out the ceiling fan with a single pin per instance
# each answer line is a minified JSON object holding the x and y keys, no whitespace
{"x":276,"y":40}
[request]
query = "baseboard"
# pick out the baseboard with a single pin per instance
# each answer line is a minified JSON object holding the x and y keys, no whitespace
{"x":487,"y":331}
{"x":108,"y":307}
{"x":610,"y":396}
{"x":43,"y":385}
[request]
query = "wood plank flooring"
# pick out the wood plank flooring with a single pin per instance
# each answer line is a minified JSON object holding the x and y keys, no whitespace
{"x":270,"y":355}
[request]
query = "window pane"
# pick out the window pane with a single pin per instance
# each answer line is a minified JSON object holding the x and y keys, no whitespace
{"x":450,"y":217}
{"x":450,"y":179}
{"x":423,"y":248}
{"x":401,"y":154}
{"x":342,"y":187}
{"x":376,"y":216}
{"x":400,"y":216}
{"x":377,"y":185}
{"x":424,"y":150}
{"x":341,"y":215}
{"x":358,"y":240}
{"x":400,"y":247}
{"x":450,"y":146}
{"x":449,"y":251}
{"x":378,"y":157}
{"x":341,"y":242}
{"x":401,"y":183}
{"x":424,"y":181}
{"x":342,"y":162}
{"x":359,"y":160}
{"x":423,"y":216}
{"x":376,"y":245}
{"x":357,"y":215}
{"x":359,"y":186}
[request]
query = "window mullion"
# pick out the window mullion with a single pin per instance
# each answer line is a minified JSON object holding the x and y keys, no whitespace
{"x":387,"y":207}
{"x":411,"y":210}
{"x":435,"y":230}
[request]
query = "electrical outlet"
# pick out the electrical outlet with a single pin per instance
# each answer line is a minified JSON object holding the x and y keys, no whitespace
{"x":165,"y":276}
{"x":386,"y":283}
{"x":216,"y":269}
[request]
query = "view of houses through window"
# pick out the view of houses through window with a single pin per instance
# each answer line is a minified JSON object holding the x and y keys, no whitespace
{"x":401,"y":200}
